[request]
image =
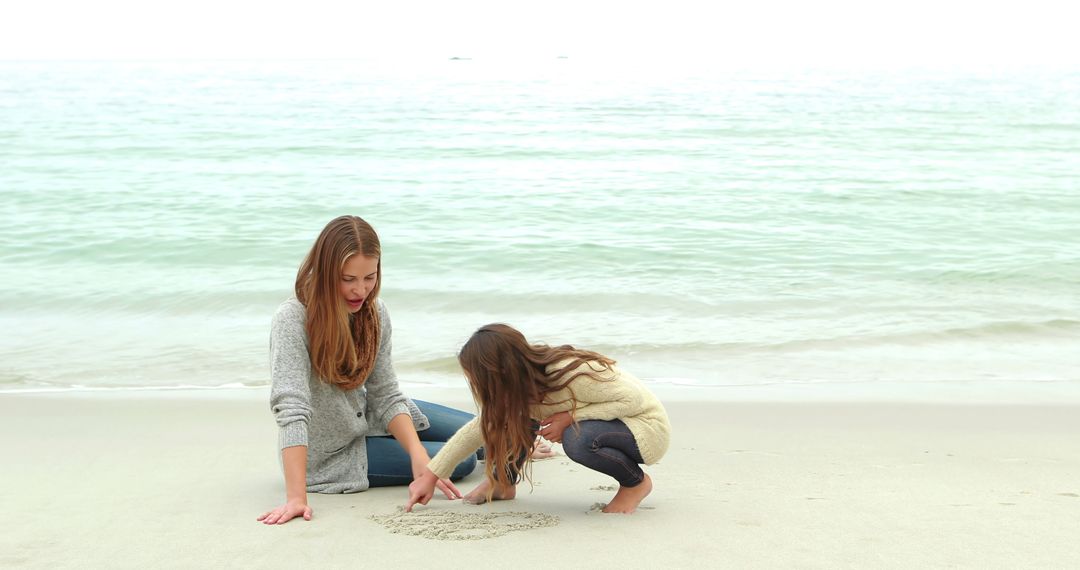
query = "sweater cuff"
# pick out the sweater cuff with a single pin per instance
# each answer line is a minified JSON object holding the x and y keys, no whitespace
{"x":392,"y":412}
{"x":293,"y":434}
{"x":419,"y":420}
{"x":441,"y":466}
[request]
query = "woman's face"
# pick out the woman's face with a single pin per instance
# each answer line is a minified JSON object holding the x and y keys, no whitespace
{"x":358,"y":279}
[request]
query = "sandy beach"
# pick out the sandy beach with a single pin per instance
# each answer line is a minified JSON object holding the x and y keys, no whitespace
{"x":176,"y":479}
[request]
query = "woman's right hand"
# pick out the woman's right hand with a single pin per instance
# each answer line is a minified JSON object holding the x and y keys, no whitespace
{"x":285,"y":513}
{"x":421,"y":489}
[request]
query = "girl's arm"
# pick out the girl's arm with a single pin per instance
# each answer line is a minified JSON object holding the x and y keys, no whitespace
{"x":462,"y":444}
{"x":294,"y":460}
{"x":619,"y":396}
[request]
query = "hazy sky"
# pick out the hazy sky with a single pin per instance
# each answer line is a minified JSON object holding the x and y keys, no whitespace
{"x":866,"y":32}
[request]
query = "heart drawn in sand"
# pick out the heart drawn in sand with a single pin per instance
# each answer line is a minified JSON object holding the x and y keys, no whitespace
{"x":456,"y":525}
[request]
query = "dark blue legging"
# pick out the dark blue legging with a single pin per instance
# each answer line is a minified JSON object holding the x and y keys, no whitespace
{"x":388,"y":464}
{"x":605,"y":446}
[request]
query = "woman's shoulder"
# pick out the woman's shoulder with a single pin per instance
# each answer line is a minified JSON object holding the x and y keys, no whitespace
{"x":290,"y":319}
{"x":290,"y":309}
{"x":289,"y":325}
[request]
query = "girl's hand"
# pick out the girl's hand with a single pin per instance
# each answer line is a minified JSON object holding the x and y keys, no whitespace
{"x":285,"y":513}
{"x":552,"y":428}
{"x":448,"y":489}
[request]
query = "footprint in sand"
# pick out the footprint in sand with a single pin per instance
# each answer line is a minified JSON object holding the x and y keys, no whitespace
{"x":456,"y":525}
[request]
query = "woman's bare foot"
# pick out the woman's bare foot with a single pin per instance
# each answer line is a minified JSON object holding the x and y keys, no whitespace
{"x":628,"y":498}
{"x":478,"y":496}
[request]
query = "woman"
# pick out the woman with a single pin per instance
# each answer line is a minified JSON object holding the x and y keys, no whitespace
{"x":334,"y":391}
{"x":525,"y":389}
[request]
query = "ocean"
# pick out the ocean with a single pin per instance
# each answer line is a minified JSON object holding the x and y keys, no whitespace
{"x":706,"y":228}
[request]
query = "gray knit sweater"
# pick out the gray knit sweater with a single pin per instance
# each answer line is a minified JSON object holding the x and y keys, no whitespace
{"x":332,"y":423}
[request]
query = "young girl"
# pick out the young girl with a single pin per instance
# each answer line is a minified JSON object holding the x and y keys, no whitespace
{"x":334,"y":391}
{"x":605,"y":418}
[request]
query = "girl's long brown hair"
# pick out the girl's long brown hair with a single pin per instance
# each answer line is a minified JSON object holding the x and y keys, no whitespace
{"x":507,"y":375}
{"x":342,"y":345}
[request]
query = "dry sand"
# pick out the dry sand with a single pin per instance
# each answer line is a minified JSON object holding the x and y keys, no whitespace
{"x":176,"y":479}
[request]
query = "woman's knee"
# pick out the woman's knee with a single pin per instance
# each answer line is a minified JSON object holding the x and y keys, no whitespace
{"x":444,"y":421}
{"x":575,"y":445}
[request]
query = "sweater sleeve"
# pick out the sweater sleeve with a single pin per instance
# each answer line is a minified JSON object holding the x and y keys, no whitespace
{"x":290,"y":369}
{"x":607,"y":399}
{"x":463,"y":444}
{"x":384,"y":397}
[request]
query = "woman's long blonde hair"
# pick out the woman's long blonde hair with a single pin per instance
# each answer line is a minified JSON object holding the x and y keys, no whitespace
{"x":507,"y":375}
{"x":342,"y":345}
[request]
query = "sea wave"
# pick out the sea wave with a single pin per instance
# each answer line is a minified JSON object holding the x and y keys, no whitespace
{"x":42,"y":388}
{"x":1014,"y":333}
{"x":934,"y":221}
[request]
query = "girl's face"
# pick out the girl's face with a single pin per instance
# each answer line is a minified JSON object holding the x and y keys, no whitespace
{"x":358,"y":278}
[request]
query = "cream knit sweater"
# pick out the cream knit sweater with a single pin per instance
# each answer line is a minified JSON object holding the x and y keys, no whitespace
{"x":619,"y":395}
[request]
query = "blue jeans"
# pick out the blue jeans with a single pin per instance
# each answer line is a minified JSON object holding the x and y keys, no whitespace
{"x":605,"y":446}
{"x":388,"y":464}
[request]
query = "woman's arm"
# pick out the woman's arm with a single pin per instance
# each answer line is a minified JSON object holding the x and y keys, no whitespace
{"x":290,"y":401}
{"x":294,"y":459}
{"x":401,"y":427}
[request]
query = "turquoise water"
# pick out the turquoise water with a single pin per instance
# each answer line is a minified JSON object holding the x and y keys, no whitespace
{"x":703,"y":228}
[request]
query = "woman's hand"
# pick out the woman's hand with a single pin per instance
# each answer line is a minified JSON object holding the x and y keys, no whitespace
{"x":285,"y":513}
{"x":419,"y":468}
{"x":421,"y":489}
{"x":294,"y":460}
{"x":552,"y":427}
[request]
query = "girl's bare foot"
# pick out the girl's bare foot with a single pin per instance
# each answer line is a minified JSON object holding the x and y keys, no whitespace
{"x":628,"y":498}
{"x":478,"y":496}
